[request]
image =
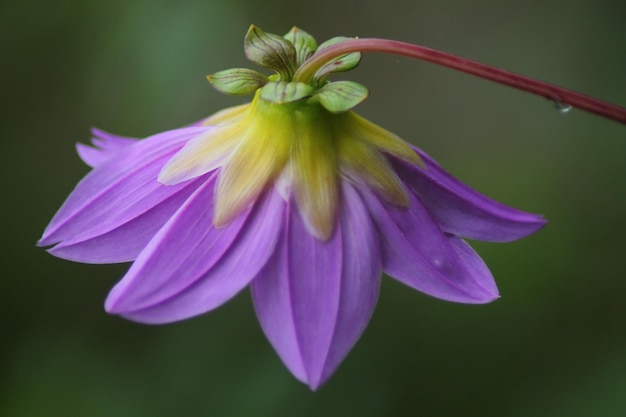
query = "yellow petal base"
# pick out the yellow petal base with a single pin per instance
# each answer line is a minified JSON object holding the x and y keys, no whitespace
{"x":307,"y":148}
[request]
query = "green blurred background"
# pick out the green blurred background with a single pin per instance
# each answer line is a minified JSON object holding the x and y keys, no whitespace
{"x":553,"y":345}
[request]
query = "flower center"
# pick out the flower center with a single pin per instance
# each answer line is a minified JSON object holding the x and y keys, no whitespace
{"x":299,"y":137}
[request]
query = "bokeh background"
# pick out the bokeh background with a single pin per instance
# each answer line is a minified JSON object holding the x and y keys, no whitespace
{"x":553,"y":345}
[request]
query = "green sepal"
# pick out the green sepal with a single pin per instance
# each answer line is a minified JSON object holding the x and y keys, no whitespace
{"x":237,"y":81}
{"x":304,"y":43}
{"x":341,"y":96}
{"x":281,"y":92}
{"x":340,"y":64}
{"x":271,"y":51}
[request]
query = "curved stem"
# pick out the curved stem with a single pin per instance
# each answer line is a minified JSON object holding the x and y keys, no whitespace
{"x":560,"y":96}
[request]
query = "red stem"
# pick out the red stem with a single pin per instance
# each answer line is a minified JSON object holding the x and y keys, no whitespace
{"x":559,"y":95}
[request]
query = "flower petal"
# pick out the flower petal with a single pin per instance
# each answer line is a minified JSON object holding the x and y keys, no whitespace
{"x":105,"y":145}
{"x":417,"y":253}
{"x":118,"y":190}
{"x":462,"y":211}
{"x":362,"y":129}
{"x":314,"y":297}
{"x":365,"y":164}
{"x":474,"y":265}
{"x":225,"y":116}
{"x":202,"y":154}
{"x":191,"y":267}
{"x":125,"y":242}
{"x":258,"y":160}
{"x":315,"y":173}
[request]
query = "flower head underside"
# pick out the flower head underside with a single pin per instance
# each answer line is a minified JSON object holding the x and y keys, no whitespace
{"x":300,"y":147}
{"x":293,"y":194}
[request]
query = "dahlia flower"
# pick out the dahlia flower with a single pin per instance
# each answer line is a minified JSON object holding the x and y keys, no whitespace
{"x":292,"y":194}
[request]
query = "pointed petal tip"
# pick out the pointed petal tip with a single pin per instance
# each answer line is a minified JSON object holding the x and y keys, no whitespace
{"x":171,"y":174}
{"x":52,"y":252}
{"x":462,"y":211}
{"x":116,"y":305}
{"x":222,"y":216}
{"x":313,"y":382}
{"x":98,"y":132}
{"x":315,"y":385}
{"x":303,"y":376}
{"x":114,"y":310}
{"x":117,"y":301}
{"x":113,"y":306}
{"x":465,"y":296}
{"x":165,"y":177}
{"x":46,"y":240}
{"x":540,"y":221}
{"x":111,"y":302}
{"x":527,"y":224}
{"x":484,"y":298}
{"x":86,"y":255}
{"x":175,"y":172}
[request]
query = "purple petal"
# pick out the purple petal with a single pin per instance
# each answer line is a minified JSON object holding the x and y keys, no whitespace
{"x":191,"y":267}
{"x":314,"y":298}
{"x":462,"y":211}
{"x":124,"y":243}
{"x":474,"y":265}
{"x":417,"y":253}
{"x":105,"y":145}
{"x":119,"y":190}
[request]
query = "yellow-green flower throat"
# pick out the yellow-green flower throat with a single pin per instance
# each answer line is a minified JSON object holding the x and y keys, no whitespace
{"x":299,"y":137}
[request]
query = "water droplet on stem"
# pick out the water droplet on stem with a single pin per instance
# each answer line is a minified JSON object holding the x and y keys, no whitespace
{"x":561,"y":107}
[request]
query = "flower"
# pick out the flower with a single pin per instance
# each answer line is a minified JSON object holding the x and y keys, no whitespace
{"x":300,"y":198}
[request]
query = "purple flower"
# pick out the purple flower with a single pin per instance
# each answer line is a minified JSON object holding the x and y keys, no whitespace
{"x":307,"y":206}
